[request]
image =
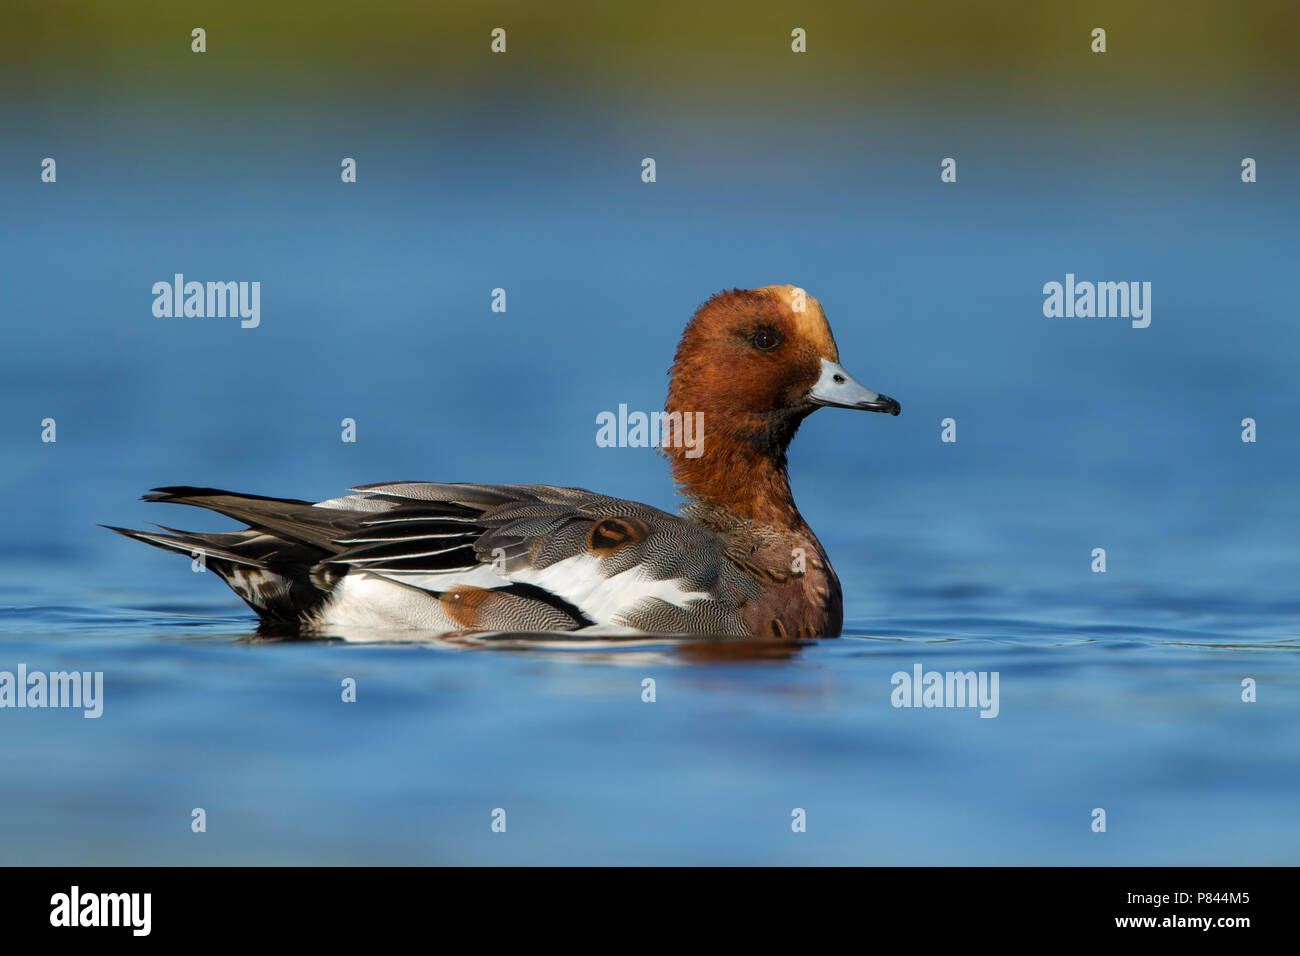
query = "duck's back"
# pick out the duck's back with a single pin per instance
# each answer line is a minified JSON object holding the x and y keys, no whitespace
{"x":467,"y":557}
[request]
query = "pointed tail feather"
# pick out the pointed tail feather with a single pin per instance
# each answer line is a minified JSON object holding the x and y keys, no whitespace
{"x":184,"y":543}
{"x":282,"y":580}
{"x":287,"y":518}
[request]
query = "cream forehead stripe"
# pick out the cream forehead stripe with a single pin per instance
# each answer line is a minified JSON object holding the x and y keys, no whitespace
{"x":809,"y":320}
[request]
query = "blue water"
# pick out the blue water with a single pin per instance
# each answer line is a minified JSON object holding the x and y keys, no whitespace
{"x":1119,"y":690}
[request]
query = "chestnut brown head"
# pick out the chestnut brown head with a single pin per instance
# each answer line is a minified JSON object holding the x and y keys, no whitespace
{"x":757,"y":362}
{"x":751,"y":365}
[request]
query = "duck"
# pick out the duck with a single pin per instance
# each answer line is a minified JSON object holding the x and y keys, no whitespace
{"x":737,"y":560}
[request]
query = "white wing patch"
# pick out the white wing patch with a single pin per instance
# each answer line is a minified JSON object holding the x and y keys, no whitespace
{"x":604,"y":600}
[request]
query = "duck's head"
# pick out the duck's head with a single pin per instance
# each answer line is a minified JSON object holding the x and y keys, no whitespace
{"x":764,"y":358}
{"x":756,"y":363}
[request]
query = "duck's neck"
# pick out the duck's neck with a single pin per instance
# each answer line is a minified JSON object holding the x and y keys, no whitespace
{"x":738,"y":473}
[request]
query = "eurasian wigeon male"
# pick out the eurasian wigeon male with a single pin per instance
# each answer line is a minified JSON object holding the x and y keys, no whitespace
{"x":739,"y":560}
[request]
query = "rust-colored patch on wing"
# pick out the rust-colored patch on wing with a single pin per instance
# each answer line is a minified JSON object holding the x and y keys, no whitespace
{"x":609,"y":535}
{"x":462,"y":604}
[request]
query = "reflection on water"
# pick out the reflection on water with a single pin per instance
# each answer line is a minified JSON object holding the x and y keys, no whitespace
{"x":636,"y":647}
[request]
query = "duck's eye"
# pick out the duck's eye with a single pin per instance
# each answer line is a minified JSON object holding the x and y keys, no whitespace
{"x":765,"y":340}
